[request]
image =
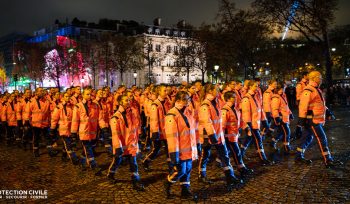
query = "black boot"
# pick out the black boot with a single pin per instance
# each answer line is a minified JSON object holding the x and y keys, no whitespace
{"x":204,"y":179}
{"x":83,"y":165}
{"x":138,"y":186}
{"x":111,"y":178}
{"x":52,"y":153}
{"x":64,"y":157}
{"x":186,"y":193}
{"x":302,"y":160}
{"x":333,"y":163}
{"x":167,"y":187}
{"x":97,"y":171}
{"x":145,"y":165}
{"x":36,"y":153}
{"x":75,"y":161}
{"x":245,"y":171}
{"x":266,"y":162}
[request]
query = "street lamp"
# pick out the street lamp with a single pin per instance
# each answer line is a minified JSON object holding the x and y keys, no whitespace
{"x":135,"y":76}
{"x":216,"y":68}
{"x":334,"y":49}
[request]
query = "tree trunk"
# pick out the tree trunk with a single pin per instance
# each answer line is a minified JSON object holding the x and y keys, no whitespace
{"x":121,"y":76}
{"x":94,"y":73}
{"x":203,"y":72}
{"x":188,"y":74}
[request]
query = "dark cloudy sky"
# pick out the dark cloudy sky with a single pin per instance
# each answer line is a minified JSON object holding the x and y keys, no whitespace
{"x":30,"y":15}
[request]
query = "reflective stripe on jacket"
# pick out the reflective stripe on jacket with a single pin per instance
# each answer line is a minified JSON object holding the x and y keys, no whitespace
{"x":124,"y":133}
{"x":280,"y":108}
{"x":210,"y":121}
{"x":181,"y":137}
{"x":231,"y":121}
{"x":312,"y":104}
{"x":86,"y":121}
{"x":251,"y":110}
{"x":62,"y":116}
{"x":38,"y":112}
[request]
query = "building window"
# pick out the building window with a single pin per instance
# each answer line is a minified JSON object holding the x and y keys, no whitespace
{"x":168,"y":49}
{"x":168,"y":63}
{"x":158,"y":48}
{"x":176,"y":49}
{"x":150,"y":47}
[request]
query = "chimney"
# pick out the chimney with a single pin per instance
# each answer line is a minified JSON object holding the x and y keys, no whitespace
{"x":181,"y":24}
{"x":157,"y":21}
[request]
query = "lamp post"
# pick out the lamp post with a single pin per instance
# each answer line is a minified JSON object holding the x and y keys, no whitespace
{"x":135,"y":76}
{"x":216,"y":68}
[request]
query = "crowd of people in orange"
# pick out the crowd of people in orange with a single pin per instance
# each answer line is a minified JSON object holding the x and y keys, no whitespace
{"x":187,"y":121}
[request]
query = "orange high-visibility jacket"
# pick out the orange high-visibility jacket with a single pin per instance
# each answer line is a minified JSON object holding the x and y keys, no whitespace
{"x":104,"y":111}
{"x":312,"y":101}
{"x":210,"y":120}
{"x":280,"y":108}
{"x":135,"y":109}
{"x":62,"y":115}
{"x":9,"y":113}
{"x":2,"y":109}
{"x":267,"y":100}
{"x":21,"y":106}
{"x":300,"y":87}
{"x":244,"y":91}
{"x":259,"y":94}
{"x":181,"y":136}
{"x":109,"y":104}
{"x":251,"y":110}
{"x":75,"y":99}
{"x":157,"y":118}
{"x":53,"y":105}
{"x":38,"y":112}
{"x":124,"y":132}
{"x":87,"y":120}
{"x":239,"y":97}
{"x":231,"y":119}
{"x":192,"y":109}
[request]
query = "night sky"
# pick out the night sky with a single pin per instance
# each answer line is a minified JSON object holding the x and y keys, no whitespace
{"x":30,"y":15}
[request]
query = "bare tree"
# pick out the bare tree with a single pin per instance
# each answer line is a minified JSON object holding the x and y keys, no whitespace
{"x":310,"y":18}
{"x":127,"y":54}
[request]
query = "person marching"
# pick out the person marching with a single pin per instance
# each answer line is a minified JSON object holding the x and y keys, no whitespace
{"x":180,"y":133}
{"x":231,"y":120}
{"x":312,"y":110}
{"x":21,"y":104}
{"x":61,"y":119}
{"x":100,"y":100}
{"x":37,"y":115}
{"x":158,"y":111}
{"x":124,"y":141}
{"x":9,"y":118}
{"x":211,"y":134}
{"x":267,"y":102}
{"x":193,"y":108}
{"x":299,"y":89}
{"x":281,"y":114}
{"x":253,"y":116}
{"x":86,"y":119}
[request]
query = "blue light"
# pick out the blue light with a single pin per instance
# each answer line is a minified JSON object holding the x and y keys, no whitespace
{"x":290,"y":17}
